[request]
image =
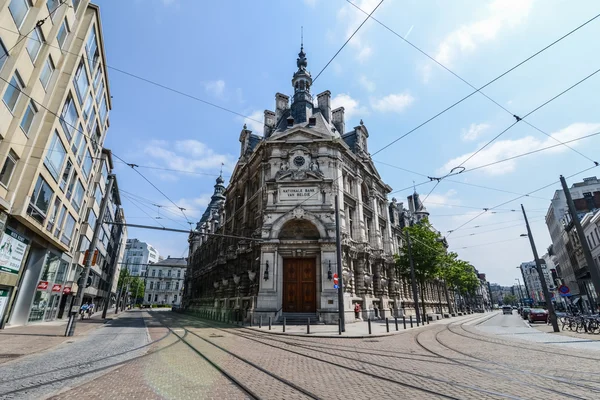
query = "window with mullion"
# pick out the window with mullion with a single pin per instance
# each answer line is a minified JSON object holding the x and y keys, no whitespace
{"x":69,"y":117}
{"x":40,"y":200}
{"x":63,"y":33}
{"x":47,"y":72}
{"x":81,"y":82}
{"x":55,"y":156}
{"x":34,"y":44}
{"x":13,"y":91}
{"x":3,"y":54}
{"x":27,"y":120}
{"x":19,"y":9}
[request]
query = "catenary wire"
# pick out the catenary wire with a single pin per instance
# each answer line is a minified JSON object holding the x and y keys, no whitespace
{"x":346,"y":42}
{"x":471,"y":85}
{"x":132,"y":199}
{"x":486,"y":85}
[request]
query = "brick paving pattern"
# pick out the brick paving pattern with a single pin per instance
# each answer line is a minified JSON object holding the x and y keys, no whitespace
{"x":445,"y":360}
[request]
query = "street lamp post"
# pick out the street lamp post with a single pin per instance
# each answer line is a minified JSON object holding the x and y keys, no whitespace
{"x":520,"y":291}
{"x":538,"y":265}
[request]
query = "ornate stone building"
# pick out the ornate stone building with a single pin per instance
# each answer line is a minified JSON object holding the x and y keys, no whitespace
{"x":266,"y":243}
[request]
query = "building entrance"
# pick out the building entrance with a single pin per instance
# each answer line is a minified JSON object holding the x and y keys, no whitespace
{"x":299,"y":285}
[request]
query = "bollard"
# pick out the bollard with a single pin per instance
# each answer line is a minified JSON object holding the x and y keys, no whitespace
{"x":404,"y":321}
{"x":369,"y":322}
{"x":284,"y":324}
{"x":269,"y":323}
{"x":260,"y":322}
{"x":308,"y":326}
{"x":411,"y":324}
{"x":387,"y":325}
{"x":339,"y":326}
{"x":396,"y":321}
{"x":251,"y":318}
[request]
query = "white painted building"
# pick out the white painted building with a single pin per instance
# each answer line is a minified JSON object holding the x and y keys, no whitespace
{"x":533,"y":284}
{"x":164,"y":282}
{"x":138,"y":255}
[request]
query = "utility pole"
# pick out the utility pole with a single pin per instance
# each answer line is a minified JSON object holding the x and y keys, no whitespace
{"x":114,"y":263}
{"x":520,"y":291}
{"x":338,"y":246}
{"x":88,"y":262}
{"x":413,"y":279}
{"x":594,"y":273}
{"x":538,"y":265}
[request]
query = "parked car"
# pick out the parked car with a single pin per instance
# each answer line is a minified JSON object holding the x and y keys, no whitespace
{"x":507,"y":310}
{"x":537,"y":314}
{"x":514,"y":307}
{"x":525,"y":312}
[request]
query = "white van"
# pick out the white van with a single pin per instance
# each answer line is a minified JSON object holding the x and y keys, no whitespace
{"x":507,"y":310}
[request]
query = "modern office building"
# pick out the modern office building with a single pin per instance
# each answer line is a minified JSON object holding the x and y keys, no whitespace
{"x":138,"y":255}
{"x":53,"y":122}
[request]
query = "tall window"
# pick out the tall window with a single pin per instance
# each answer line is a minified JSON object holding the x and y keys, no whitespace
{"x":61,"y":219}
{"x":151,"y":285}
{"x":78,"y":196}
{"x":81,"y":150}
{"x":87,"y":165}
{"x":103,"y":110}
{"x":76,"y":4}
{"x":98,"y":195}
{"x":18,"y":10}
{"x":91,"y":220}
{"x":47,"y":72}
{"x":177,"y":285}
{"x":179,"y":273}
{"x":91,"y":48}
{"x":87,"y":107}
{"x":54,"y":214}
{"x":8,"y":168}
{"x":65,"y":175}
{"x":52,"y":5}
{"x":3,"y":54}
{"x":91,"y":124}
{"x":68,"y":230}
{"x":69,"y":117}
{"x":97,"y":78}
{"x":100,"y":91}
{"x":30,"y":112}
{"x":34,"y":44}
{"x":40,"y":200}
{"x":13,"y":91}
{"x":71,"y":185}
{"x":55,"y":156}
{"x":153,"y":273}
{"x":63,"y":33}
{"x":81,"y":81}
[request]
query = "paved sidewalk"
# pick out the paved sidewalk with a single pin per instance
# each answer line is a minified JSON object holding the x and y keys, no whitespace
{"x":583,"y":336}
{"x":19,"y":341}
{"x":359,"y":329}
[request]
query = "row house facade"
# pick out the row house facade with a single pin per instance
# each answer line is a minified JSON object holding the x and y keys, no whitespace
{"x":266,"y":245}
{"x":53,"y":122}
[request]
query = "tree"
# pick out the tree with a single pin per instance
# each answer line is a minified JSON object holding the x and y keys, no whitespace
{"x":134,"y":284}
{"x":428,"y":253}
{"x":510,"y":299}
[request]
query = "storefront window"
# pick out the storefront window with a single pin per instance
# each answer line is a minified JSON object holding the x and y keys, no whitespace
{"x":43,"y":296}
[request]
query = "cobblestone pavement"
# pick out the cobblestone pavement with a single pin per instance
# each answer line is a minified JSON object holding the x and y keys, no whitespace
{"x":20,"y":341}
{"x":454,"y":359}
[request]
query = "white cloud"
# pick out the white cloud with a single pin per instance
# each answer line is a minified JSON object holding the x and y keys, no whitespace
{"x":474,"y":131}
{"x":195,"y":207}
{"x":310,"y":3}
{"x":349,"y":17}
{"x":502,"y":149}
{"x":501,"y":15}
{"x":253,"y":124}
{"x":186,"y":155}
{"x":393,"y":102}
{"x":351,"y":106}
{"x":366,"y":83}
{"x":441,"y":200}
{"x":216,"y":88}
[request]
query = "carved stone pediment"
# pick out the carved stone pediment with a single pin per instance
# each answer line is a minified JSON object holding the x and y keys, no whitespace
{"x":297,"y":165}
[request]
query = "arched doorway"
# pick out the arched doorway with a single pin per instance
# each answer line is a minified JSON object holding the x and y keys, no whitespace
{"x":299,"y":273}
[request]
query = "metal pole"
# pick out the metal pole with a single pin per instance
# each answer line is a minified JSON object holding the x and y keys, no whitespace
{"x":88,"y":263}
{"x":369,"y":323}
{"x":269,"y":323}
{"x":387,"y":324}
{"x":338,"y":246}
{"x":339,"y":326}
{"x":308,"y":326}
{"x":284,"y":324}
{"x":520,"y":291}
{"x":594,"y":273}
{"x":413,"y":280}
{"x":114,"y":265}
{"x":538,"y":264}
{"x":396,"y":322}
{"x":411,"y":323}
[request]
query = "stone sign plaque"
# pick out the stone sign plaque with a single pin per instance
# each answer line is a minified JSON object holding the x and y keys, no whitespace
{"x":298,"y":193}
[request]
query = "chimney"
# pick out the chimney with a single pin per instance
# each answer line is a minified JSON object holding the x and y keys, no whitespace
{"x":324,"y":104}
{"x":281,"y":104}
{"x":269,"y":123}
{"x":337,"y":119}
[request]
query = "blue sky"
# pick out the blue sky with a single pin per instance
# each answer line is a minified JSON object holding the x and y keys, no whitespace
{"x":239,"y":54}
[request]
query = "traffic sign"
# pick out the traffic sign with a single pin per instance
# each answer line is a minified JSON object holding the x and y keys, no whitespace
{"x":42,"y":285}
{"x":564,"y":289}
{"x":336,"y":281}
{"x":67,"y":290}
{"x":56,"y":288}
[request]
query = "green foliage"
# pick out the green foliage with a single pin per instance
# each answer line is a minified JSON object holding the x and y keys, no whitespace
{"x":510,"y":299}
{"x":428,"y":253}
{"x":134,"y":284}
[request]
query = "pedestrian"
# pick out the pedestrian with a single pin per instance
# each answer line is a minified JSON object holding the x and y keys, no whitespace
{"x":83,"y":310}
{"x":356,"y":311}
{"x":90,"y":309}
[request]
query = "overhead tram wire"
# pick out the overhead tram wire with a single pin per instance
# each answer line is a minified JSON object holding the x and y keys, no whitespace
{"x":518,"y":119}
{"x":487,"y":244}
{"x":477,"y":90}
{"x":133,"y":200}
{"x":538,"y":219}
{"x":517,"y":198}
{"x":346,"y":42}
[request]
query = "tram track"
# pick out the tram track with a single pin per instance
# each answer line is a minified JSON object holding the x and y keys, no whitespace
{"x":379,"y":376}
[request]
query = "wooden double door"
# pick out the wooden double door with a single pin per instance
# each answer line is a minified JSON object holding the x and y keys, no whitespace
{"x":299,"y":285}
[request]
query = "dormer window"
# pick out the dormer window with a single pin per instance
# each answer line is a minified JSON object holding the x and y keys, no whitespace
{"x":290,"y":122}
{"x":312,"y":121}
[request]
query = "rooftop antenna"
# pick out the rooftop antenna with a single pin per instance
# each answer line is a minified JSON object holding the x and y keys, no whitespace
{"x":222,"y":164}
{"x":301,"y":37}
